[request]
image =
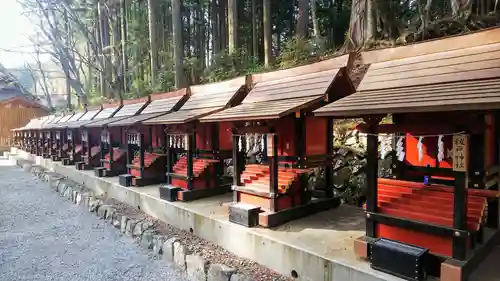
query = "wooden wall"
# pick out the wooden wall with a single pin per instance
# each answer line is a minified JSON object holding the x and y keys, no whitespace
{"x":15,"y":117}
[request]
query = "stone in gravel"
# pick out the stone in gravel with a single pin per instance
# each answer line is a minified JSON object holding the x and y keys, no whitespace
{"x":68,"y":192}
{"x":94,"y":204}
{"x":61,"y":188}
{"x":158,"y":244}
{"x":27,"y":167}
{"x":86,"y":199}
{"x":180,"y":255}
{"x":102,"y":210}
{"x":147,"y":240}
{"x":116,"y":219}
{"x":123,"y":223}
{"x":130,"y":227}
{"x":220,"y":272}
{"x":138,"y":230}
{"x":168,"y":249}
{"x":73,"y":196}
{"x":196,"y":267}
{"x":240,"y":277}
{"x":109,"y":214}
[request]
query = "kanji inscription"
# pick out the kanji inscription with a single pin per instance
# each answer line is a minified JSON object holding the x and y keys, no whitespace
{"x":460,"y":157}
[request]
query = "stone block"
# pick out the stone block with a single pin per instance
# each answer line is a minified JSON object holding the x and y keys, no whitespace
{"x":94,"y":204}
{"x":138,"y":230}
{"x":240,"y":277}
{"x":130,"y":227}
{"x":109,"y":214}
{"x":116,"y":219}
{"x":123,"y":223}
{"x":147,"y":239}
{"x":27,"y":167}
{"x":220,"y":272}
{"x":102,"y":210}
{"x":168,"y":249}
{"x":180,"y":255}
{"x":196,"y":267}
{"x":158,"y":244}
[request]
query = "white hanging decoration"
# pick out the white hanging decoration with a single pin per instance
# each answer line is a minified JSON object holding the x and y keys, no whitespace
{"x":247,"y":142}
{"x":171,"y":141}
{"x":440,"y":155}
{"x":263,"y":143}
{"x":181,"y":141}
{"x":400,"y":150}
{"x":240,"y":144}
{"x":385,"y":146}
{"x":420,"y":149}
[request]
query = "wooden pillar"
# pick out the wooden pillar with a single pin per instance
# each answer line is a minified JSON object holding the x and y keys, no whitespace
{"x":371,"y":175}
{"x":110,"y":148}
{"x":272,"y":153}
{"x":190,"y":145}
{"x":219,"y":166}
{"x":168,"y":152}
{"x":103,"y":144}
{"x":89,"y":146}
{"x":130,"y":152}
{"x":329,"y":153}
{"x":141,"y":153}
{"x":460,"y":167}
{"x":236,"y":159}
{"x":73,"y":148}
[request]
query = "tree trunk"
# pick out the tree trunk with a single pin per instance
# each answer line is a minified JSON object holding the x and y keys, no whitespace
{"x":232,"y":24}
{"x":303,"y":19}
{"x":104,"y":36}
{"x":315,"y":20}
{"x":255,"y":38}
{"x":223,"y":24}
{"x":153,"y":44}
{"x":123,"y":47}
{"x":267,"y":34}
{"x":215,"y":28}
{"x":178,"y":44}
{"x":356,"y":33}
{"x":201,"y":34}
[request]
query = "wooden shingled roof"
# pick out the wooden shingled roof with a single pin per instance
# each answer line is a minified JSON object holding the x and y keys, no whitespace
{"x":206,"y":99}
{"x":130,"y":108}
{"x":459,"y":79}
{"x":161,"y":104}
{"x":85,"y":118}
{"x":279,"y":93}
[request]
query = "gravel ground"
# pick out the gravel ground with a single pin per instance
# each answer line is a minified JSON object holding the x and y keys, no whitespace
{"x":43,"y":237}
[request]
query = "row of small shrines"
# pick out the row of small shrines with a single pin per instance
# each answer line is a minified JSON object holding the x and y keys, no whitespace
{"x":437,"y":215}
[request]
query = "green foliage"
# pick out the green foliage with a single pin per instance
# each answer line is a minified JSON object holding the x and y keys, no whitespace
{"x":298,"y":51}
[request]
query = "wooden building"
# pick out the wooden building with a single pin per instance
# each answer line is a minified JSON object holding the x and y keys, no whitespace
{"x":439,"y":211}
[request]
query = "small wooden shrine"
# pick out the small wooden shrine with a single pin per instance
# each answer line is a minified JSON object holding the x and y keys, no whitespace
{"x":277,"y":143}
{"x":58,"y":150}
{"x":25,"y":138}
{"x":112,"y":156}
{"x":61,"y":134}
{"x":91,"y":138}
{"x":47,"y":137}
{"x":144,"y":147}
{"x":74,"y":133}
{"x":437,"y":214}
{"x":196,"y":151}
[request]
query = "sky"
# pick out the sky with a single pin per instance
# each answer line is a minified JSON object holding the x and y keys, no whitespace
{"x":14,"y":31}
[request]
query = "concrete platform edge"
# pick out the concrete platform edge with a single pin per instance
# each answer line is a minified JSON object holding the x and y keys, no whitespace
{"x":244,"y":242}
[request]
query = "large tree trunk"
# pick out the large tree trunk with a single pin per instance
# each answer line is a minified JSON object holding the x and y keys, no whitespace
{"x":268,"y":39}
{"x":355,"y":37}
{"x":315,"y":20}
{"x":201,"y":34}
{"x":303,"y":19}
{"x":255,"y":36}
{"x":124,"y":31}
{"x":215,"y":28}
{"x":153,"y":44}
{"x":178,"y":44}
{"x":232,"y":23}
{"x":104,"y":36}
